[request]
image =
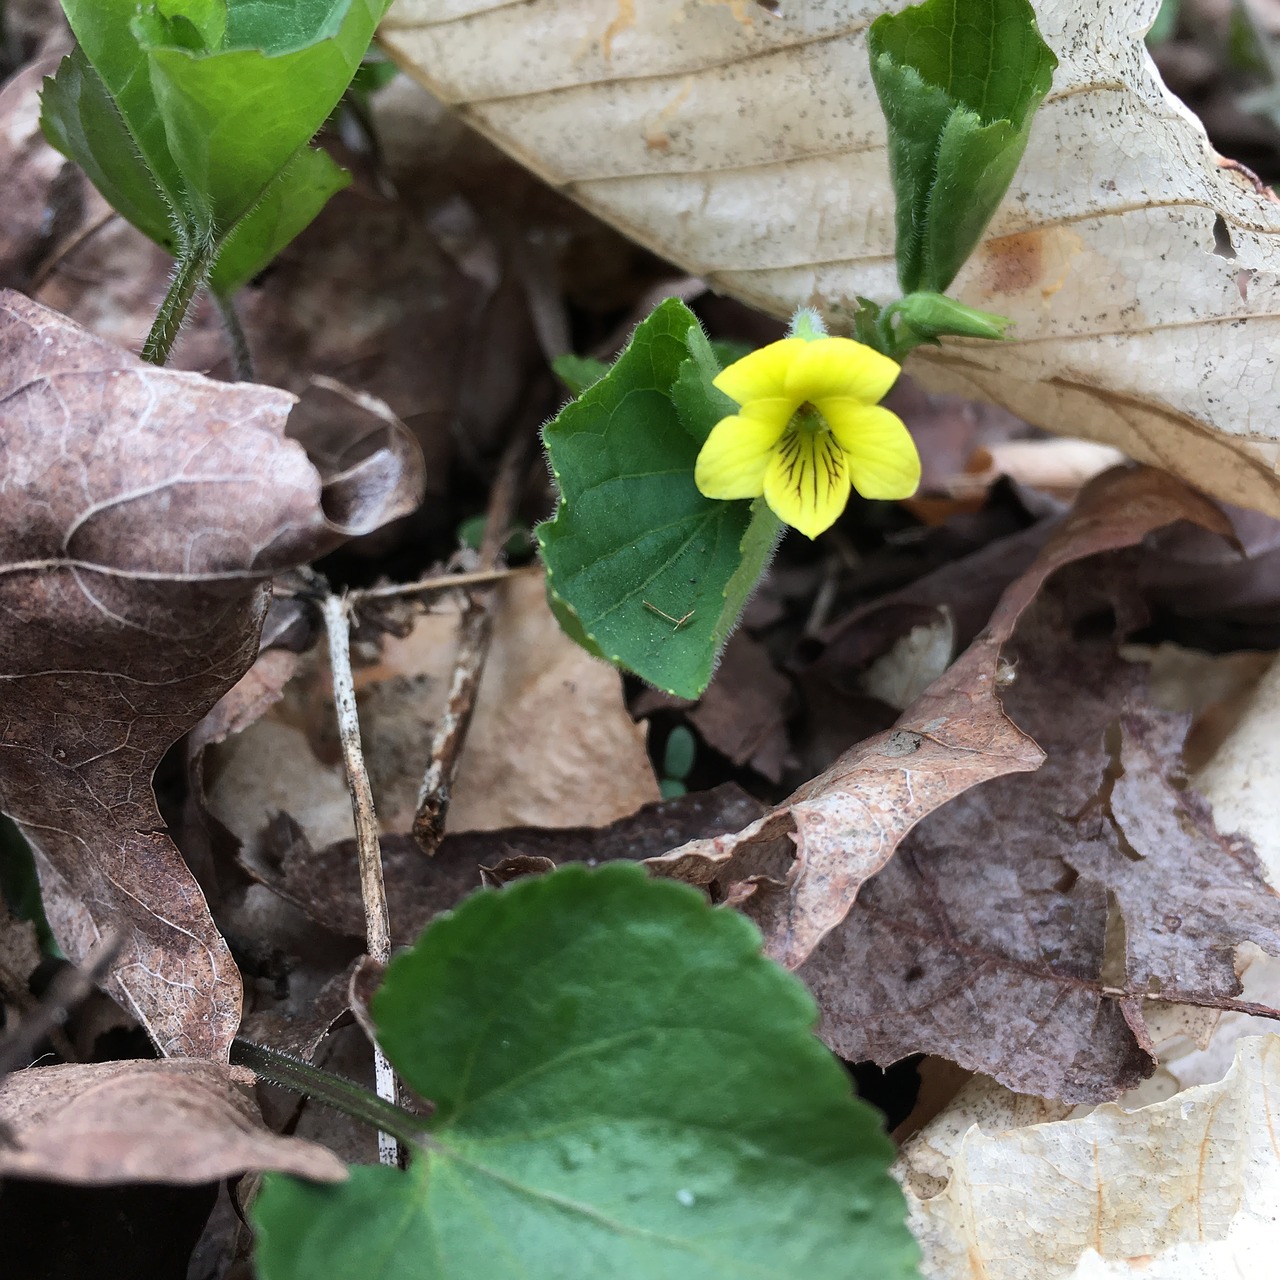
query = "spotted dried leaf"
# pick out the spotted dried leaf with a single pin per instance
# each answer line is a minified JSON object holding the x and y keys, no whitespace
{"x":750,"y":148}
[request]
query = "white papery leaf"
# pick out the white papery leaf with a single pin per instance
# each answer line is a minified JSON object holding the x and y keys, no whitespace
{"x":750,"y":149}
{"x":1185,"y":1189}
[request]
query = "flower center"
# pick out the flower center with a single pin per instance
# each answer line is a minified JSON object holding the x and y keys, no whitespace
{"x":807,"y":420}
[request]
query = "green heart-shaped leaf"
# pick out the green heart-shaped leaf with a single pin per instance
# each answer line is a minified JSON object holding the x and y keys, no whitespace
{"x":641,"y":568}
{"x":624,"y":1086}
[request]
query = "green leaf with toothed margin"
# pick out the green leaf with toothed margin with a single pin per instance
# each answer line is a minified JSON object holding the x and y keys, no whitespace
{"x":623,"y":1086}
{"x":641,"y":568}
{"x":193,"y":117}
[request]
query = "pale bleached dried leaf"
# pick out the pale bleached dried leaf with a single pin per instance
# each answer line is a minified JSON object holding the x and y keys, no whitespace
{"x":750,"y":149}
{"x":1240,"y":780}
{"x":178,"y":1121}
{"x":1184,"y":1188}
{"x":846,"y":823}
{"x":142,"y":514}
{"x":916,"y":660}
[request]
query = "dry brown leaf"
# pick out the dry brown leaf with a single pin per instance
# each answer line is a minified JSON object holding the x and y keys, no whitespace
{"x":749,"y":148}
{"x":550,"y":744}
{"x":19,"y":957}
{"x":1216,"y":688}
{"x":1021,"y":930}
{"x":325,"y":884}
{"x":846,"y":823}
{"x":179,"y":1121}
{"x":1189,"y":896}
{"x":1181,"y":1190}
{"x":147,"y":510}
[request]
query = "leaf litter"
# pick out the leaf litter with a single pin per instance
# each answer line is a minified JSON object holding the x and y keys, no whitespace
{"x":1034,"y":925}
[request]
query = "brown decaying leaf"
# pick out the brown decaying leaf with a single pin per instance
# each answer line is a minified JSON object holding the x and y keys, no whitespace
{"x":987,"y":938}
{"x":19,"y":956}
{"x":325,"y":885}
{"x":144,"y":513}
{"x":305,"y":1031}
{"x":846,"y":823}
{"x":1188,"y":895}
{"x":44,"y":195}
{"x":743,"y":714}
{"x":179,"y":1121}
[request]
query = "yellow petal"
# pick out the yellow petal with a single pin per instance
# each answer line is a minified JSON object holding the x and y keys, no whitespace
{"x":732,"y":462}
{"x":762,"y":375}
{"x":839,"y":367}
{"x":882,"y":457}
{"x":807,"y":483}
{"x":775,"y":412}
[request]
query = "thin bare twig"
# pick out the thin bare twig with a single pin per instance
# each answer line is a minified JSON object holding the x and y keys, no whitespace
{"x":474,"y":634}
{"x":1226,"y":1003}
{"x":437,"y":584}
{"x":372,"y":889}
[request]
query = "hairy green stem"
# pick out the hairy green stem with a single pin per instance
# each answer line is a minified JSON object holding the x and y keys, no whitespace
{"x":237,"y":343}
{"x":193,"y":269}
{"x":333,"y":1091}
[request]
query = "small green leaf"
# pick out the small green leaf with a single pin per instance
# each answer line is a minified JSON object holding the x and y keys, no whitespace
{"x":287,"y":207}
{"x":641,"y":568}
{"x":678,"y":755}
{"x":728,"y":352}
{"x":81,"y":120}
{"x":624,"y":1087}
{"x":373,"y":75}
{"x":193,"y":116}
{"x":699,"y":404}
{"x":578,"y":372}
{"x":1165,"y":24}
{"x":959,"y":82}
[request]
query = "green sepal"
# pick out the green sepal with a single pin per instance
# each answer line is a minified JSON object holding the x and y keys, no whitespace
{"x":622,"y":1085}
{"x":642,"y":568}
{"x":928,"y":316}
{"x":959,"y":82}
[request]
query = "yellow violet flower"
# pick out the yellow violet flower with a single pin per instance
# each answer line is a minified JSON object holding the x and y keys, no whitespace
{"x":808,"y":429}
